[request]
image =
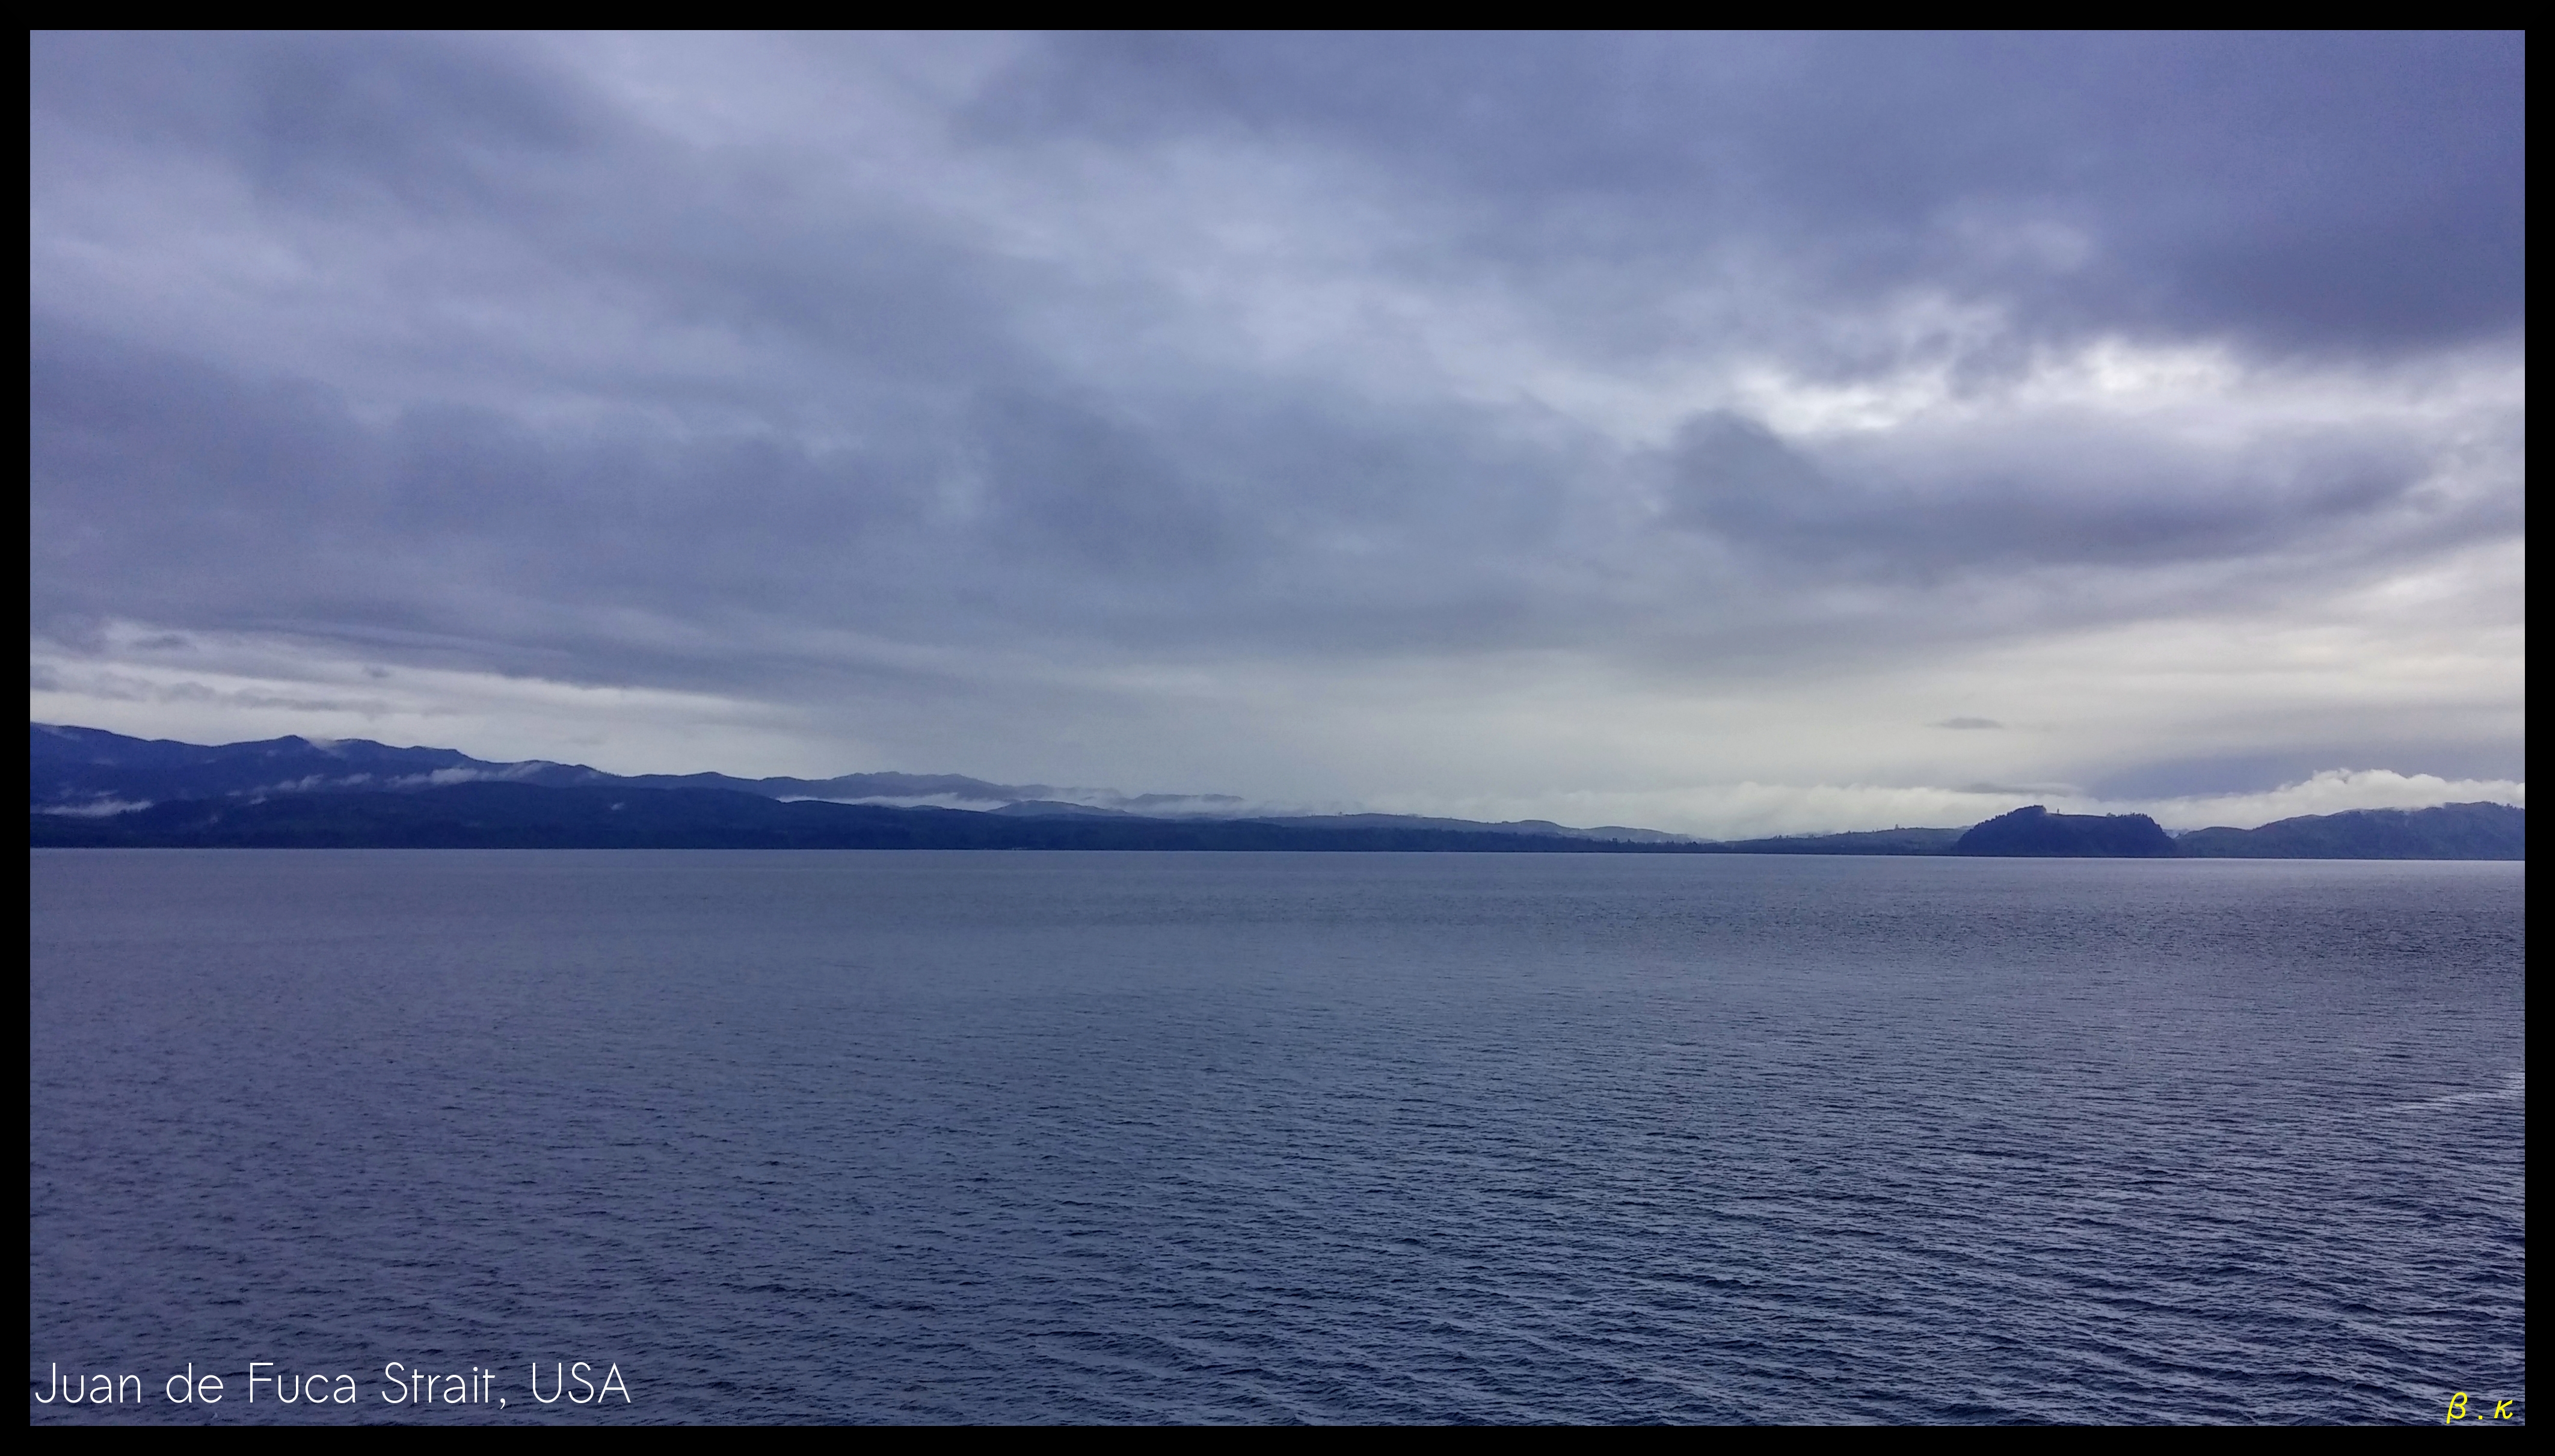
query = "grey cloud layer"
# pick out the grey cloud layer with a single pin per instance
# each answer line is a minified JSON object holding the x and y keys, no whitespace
{"x":2087,"y":491}
{"x":523,"y":356}
{"x":2303,"y":189}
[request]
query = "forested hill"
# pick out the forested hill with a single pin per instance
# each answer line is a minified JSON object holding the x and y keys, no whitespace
{"x":618,"y":817}
{"x":2457,"y":831}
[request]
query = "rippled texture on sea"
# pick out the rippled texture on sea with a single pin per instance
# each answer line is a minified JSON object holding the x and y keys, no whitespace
{"x":920,"y":1136}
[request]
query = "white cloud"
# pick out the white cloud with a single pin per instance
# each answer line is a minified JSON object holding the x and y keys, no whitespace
{"x":96,"y":809}
{"x":2327,"y":792}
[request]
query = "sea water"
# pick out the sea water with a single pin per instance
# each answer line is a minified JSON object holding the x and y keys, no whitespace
{"x":1016,"y":1137}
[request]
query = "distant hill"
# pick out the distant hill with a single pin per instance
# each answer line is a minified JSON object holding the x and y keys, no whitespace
{"x":490,"y":815}
{"x":71,"y":769}
{"x":2458,"y":831}
{"x":91,"y":787}
{"x":1860,"y":841}
{"x":2038,"y":833}
{"x":155,"y":790}
{"x":1506,"y":827}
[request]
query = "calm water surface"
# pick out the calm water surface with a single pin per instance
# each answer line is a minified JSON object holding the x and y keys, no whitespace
{"x":1266,"y":1136}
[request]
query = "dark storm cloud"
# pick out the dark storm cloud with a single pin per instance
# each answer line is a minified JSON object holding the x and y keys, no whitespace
{"x":431,"y":122}
{"x":2325,"y":191}
{"x":468,"y":174}
{"x":2089,"y":493}
{"x":167,"y":490}
{"x":682,"y":363}
{"x":1099,"y":490}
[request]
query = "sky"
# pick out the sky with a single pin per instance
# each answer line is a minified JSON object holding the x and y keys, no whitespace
{"x":1726,"y":434}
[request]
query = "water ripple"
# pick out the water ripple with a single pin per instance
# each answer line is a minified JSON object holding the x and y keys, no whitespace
{"x":1272,"y":1138}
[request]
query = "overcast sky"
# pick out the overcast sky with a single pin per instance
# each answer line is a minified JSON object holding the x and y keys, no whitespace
{"x":1727,"y":434}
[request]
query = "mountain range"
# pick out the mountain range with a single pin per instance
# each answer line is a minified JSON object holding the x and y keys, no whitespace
{"x":91,"y":787}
